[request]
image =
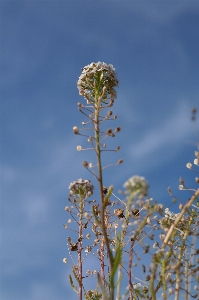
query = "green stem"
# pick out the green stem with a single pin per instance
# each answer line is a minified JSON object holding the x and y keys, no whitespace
{"x":80,"y":247}
{"x":100,"y":180}
{"x":119,"y":273}
{"x":178,"y":219}
{"x":178,"y":279}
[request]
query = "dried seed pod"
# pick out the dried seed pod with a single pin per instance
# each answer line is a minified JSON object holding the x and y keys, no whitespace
{"x":85,"y":164}
{"x":73,"y":247}
{"x":105,"y":190}
{"x":119,"y":213}
{"x":135,"y":212}
{"x":117,"y":129}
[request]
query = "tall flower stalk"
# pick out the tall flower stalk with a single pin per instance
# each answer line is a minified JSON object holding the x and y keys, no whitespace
{"x":119,"y":233}
{"x":97,"y":84}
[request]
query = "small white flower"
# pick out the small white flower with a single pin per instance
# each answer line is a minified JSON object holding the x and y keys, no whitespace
{"x":189,"y":165}
{"x":156,"y":245}
{"x":196,"y":161}
{"x":162,"y":236}
{"x":88,"y":236}
{"x":79,"y":148}
{"x":181,"y":187}
{"x":88,"y":249}
{"x":75,"y":129}
{"x":65,"y":260}
{"x":149,"y":221}
{"x":197,"y":154}
{"x":69,"y":221}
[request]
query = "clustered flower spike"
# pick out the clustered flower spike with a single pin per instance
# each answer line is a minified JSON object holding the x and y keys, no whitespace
{"x":170,"y":218}
{"x":136,"y":184}
{"x":81,"y":187}
{"x":98,"y":80}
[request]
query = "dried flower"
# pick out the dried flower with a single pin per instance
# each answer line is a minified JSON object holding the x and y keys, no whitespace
{"x":85,"y":164}
{"x":117,"y":129}
{"x":120,"y":161}
{"x":169,"y":191}
{"x":73,"y":247}
{"x":135,"y":212}
{"x":119,"y":213}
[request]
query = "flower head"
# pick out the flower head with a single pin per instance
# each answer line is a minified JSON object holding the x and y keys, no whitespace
{"x":97,"y":81}
{"x":81,"y":187}
{"x":136,"y":184}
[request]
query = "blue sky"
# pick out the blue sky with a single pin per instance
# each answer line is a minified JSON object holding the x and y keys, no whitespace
{"x":154,"y":47}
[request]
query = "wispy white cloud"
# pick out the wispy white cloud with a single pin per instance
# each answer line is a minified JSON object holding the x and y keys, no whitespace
{"x":163,"y":141}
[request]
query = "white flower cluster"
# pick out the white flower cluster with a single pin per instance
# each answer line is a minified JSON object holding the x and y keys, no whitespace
{"x":170,"y":215}
{"x":80,"y":186}
{"x":98,"y":77}
{"x":196,"y":161}
{"x":137,"y":184}
{"x":170,"y":218}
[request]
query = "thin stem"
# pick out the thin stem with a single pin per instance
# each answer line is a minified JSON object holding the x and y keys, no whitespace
{"x":178,"y":219}
{"x":98,"y":152}
{"x":80,"y":247}
{"x":130,"y":272}
{"x":102,"y":261}
{"x":152,"y":281}
{"x":164,"y":279}
{"x":182,"y":248}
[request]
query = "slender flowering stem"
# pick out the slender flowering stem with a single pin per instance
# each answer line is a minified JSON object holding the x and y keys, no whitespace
{"x":80,"y":247}
{"x":185,"y":208}
{"x":178,"y":279}
{"x":100,"y":180}
{"x":130,"y":271}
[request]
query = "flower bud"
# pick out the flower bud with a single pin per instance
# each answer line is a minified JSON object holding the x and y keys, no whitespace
{"x":120,"y":161}
{"x":117,"y":129}
{"x":76,"y":130}
{"x":85,"y":164}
